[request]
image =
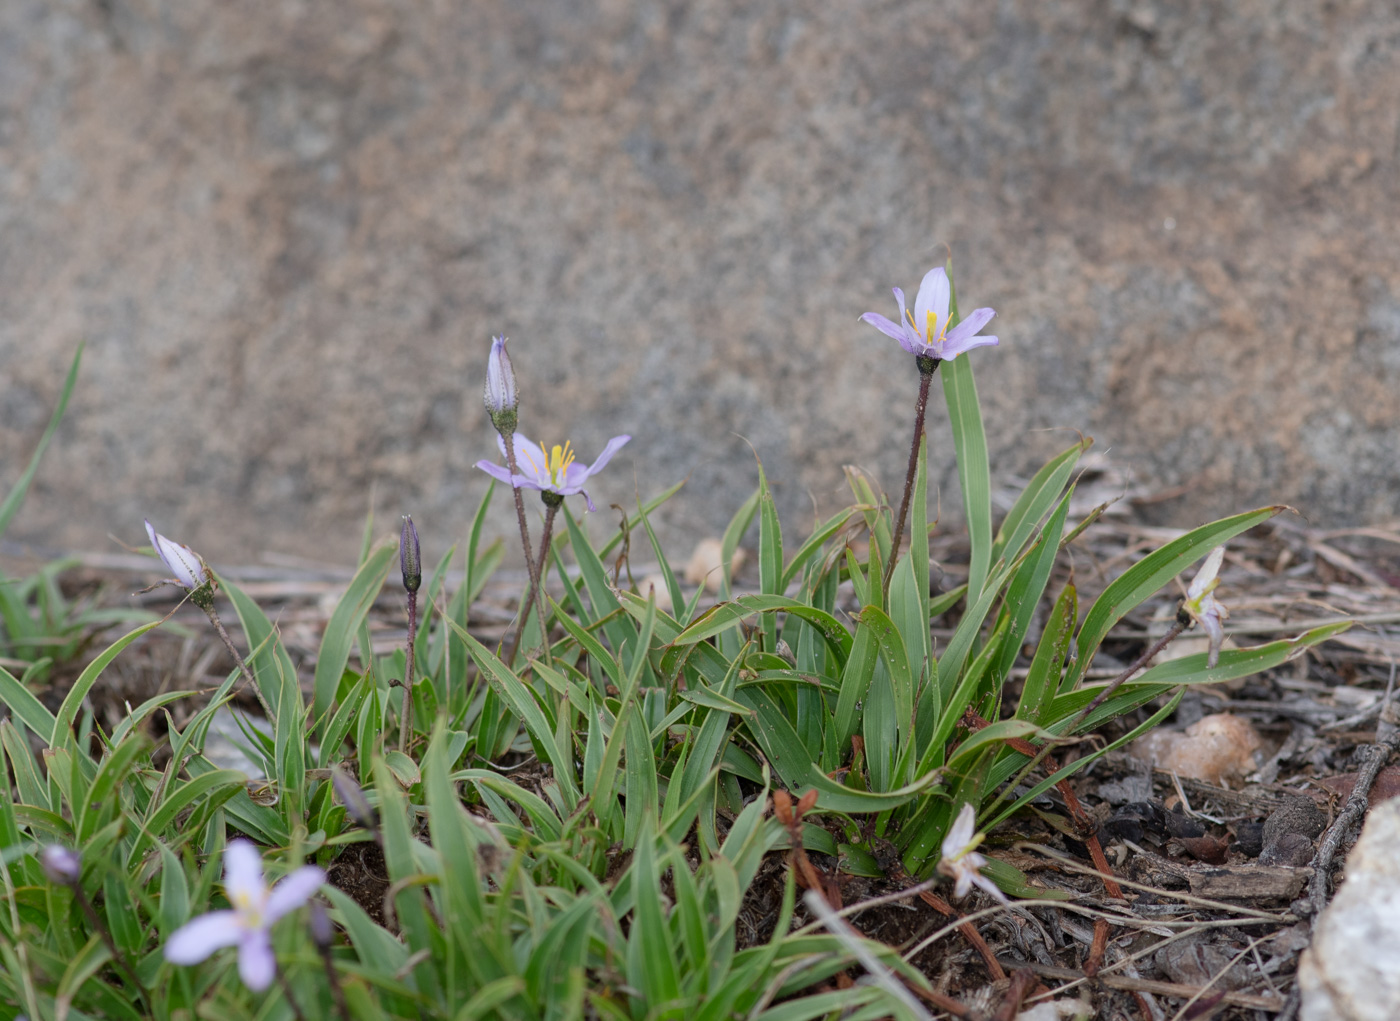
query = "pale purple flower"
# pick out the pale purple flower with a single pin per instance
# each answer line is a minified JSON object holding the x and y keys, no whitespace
{"x":61,"y":864}
{"x":960,"y":859}
{"x":188,"y":566}
{"x":556,"y":472}
{"x":925,"y":333}
{"x":248,"y":924}
{"x":1201,"y":605}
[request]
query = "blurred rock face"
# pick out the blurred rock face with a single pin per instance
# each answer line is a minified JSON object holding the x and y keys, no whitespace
{"x":288,"y":230}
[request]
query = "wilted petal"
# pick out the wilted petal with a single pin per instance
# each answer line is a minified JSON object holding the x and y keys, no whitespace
{"x":986,"y":884}
{"x":933,"y":297}
{"x":959,"y":837}
{"x":197,"y":939}
{"x":257,"y":965}
{"x":1210,"y":622}
{"x":292,"y":891}
{"x":1205,"y":580}
{"x":182,"y":561}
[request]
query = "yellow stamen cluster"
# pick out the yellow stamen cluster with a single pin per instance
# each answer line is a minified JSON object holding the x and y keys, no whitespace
{"x":556,"y":463}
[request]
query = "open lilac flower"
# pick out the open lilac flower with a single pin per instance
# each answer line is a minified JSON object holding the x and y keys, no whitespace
{"x":1201,"y":605}
{"x":248,"y":924}
{"x":188,"y":566}
{"x":556,"y":472}
{"x":960,"y":859}
{"x":925,"y":333}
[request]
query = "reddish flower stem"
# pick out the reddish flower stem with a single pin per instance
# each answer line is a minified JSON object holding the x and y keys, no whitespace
{"x":927,"y":367}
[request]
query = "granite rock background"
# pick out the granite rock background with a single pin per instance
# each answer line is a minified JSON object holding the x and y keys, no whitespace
{"x":287,"y":229}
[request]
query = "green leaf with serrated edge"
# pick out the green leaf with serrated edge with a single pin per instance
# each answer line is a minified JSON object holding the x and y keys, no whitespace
{"x":770,"y":554}
{"x":1233,"y":664}
{"x":266,"y":656}
{"x":595,"y":649}
{"x":950,"y":663}
{"x":970,"y":444}
{"x":1027,"y":585}
{"x":542,"y":816}
{"x":453,"y":838}
{"x":1043,"y":677}
{"x":15,"y":498}
{"x":428,"y":603}
{"x":892,"y":651}
{"x":733,"y":533}
{"x":642,"y":806}
{"x":1044,"y":785}
{"x":941,"y":604}
{"x":1040,"y":494}
{"x":174,"y":892}
{"x":709,"y":740}
{"x":24,"y":707}
{"x":813,"y":546}
{"x":962,"y":697}
{"x":855,"y":681}
{"x":725,"y":615}
{"x":399,"y":861}
{"x":100,"y":794}
{"x":601,"y":594}
{"x":72,"y":702}
{"x":651,"y":964}
{"x":784,"y":749}
{"x":673,"y":587}
{"x":343,"y":719}
{"x":976,"y":744}
{"x":524,"y":705}
{"x":339,"y":636}
{"x":216,"y":785}
{"x":263,"y":824}
{"x":1148,"y":575}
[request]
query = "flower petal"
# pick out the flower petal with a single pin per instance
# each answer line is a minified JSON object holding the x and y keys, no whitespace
{"x":972,"y":323}
{"x":614,"y":445}
{"x":257,"y":965}
{"x":530,"y":460}
{"x":501,"y":473}
{"x":933,"y":297}
{"x":986,"y":884}
{"x":953,"y":348}
{"x":243,"y":874}
{"x":200,"y":937}
{"x":902,"y":332}
{"x":960,"y":834}
{"x":292,"y":891}
{"x":1203,"y":582}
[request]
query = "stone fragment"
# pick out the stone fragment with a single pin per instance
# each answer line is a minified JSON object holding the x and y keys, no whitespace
{"x":1218,"y":749}
{"x":1352,"y":970}
{"x":704,"y":567}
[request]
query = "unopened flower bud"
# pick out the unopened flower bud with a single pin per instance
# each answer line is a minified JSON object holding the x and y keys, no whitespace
{"x":502,"y":401}
{"x":322,"y":931}
{"x":357,"y":806}
{"x":410,"y":560}
{"x":61,"y":864}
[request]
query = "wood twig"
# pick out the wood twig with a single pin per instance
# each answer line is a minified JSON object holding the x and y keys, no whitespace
{"x":1387,"y":737}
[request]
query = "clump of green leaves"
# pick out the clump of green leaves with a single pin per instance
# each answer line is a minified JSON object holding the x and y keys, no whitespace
{"x":576,"y":834}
